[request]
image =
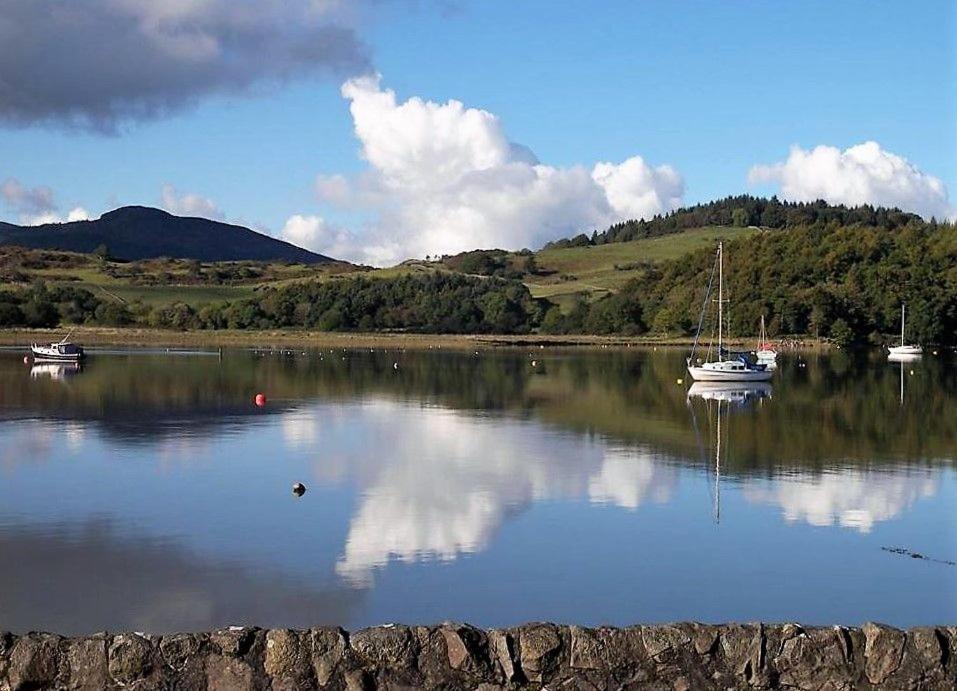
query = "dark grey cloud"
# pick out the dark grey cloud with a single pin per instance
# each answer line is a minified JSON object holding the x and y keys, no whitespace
{"x":98,"y":63}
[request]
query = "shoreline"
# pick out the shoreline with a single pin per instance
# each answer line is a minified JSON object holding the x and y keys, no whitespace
{"x":682,"y":656}
{"x":135,"y":336}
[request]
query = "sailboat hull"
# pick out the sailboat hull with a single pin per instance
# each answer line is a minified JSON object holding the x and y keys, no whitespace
{"x":905,"y":350}
{"x":715,"y":375}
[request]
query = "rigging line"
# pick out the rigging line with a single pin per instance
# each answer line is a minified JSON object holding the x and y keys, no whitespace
{"x":704,"y":306}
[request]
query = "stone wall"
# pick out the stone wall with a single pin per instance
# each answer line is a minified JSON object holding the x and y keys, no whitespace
{"x":458,"y":656}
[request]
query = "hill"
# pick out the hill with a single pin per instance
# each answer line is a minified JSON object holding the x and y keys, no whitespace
{"x":137,"y":232}
{"x":744,"y":211}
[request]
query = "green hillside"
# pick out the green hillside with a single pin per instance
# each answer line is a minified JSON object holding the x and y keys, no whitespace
{"x":596,"y":270}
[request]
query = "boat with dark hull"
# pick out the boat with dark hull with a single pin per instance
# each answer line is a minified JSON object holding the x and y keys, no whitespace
{"x":60,"y":351}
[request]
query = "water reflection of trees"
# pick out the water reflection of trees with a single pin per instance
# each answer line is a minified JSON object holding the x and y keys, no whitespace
{"x":833,"y":410}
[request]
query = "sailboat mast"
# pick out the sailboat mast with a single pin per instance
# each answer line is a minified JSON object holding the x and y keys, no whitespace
{"x":902,"y":323}
{"x":720,"y":293}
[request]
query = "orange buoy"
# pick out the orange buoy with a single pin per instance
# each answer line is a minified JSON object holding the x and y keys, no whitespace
{"x":260,"y":400}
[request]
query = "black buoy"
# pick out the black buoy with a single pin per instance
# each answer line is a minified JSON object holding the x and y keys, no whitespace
{"x":298,"y":489}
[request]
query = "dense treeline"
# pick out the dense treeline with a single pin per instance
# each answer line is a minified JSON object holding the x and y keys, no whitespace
{"x":434,"y":302}
{"x":45,"y":306}
{"x":843,"y":283}
{"x":741,"y":211}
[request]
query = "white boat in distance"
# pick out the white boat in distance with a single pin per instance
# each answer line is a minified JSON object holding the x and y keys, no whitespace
{"x":766,"y":353}
{"x":904,"y":349}
{"x":728,"y":366}
{"x":61,"y":351}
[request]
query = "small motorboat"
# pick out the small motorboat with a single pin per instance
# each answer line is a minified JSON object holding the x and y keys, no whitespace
{"x":61,"y":351}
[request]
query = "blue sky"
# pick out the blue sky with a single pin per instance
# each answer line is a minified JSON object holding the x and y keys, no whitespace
{"x":710,"y":89}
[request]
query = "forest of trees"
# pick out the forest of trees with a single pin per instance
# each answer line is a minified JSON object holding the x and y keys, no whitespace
{"x":827,"y":280}
{"x":742,"y":211}
{"x":842,"y":276}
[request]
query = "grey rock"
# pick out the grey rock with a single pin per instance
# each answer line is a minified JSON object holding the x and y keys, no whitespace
{"x":586,"y":649}
{"x":88,"y":663}
{"x":810,"y":660}
{"x":624,"y":650}
{"x":883,"y":650}
{"x":33,"y":661}
{"x":359,"y":680}
{"x":235,"y":641}
{"x":7,"y":641}
{"x":467,"y":649}
{"x":743,"y":648}
{"x":177,"y":649}
{"x":539,"y":645}
{"x":502,"y":650}
{"x":385,"y":646}
{"x":704,"y":637}
{"x":288,"y":659}
{"x":328,"y":649}
{"x":658,"y":639}
{"x":930,"y":646}
{"x":130,"y":658}
{"x":227,"y":673}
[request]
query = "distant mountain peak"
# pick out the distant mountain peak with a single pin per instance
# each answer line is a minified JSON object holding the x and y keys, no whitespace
{"x":144,"y":232}
{"x":135,"y":211}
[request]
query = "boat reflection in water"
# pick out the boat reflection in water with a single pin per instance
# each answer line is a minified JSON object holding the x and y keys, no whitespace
{"x":730,"y":392}
{"x":57,"y":371}
{"x":724,"y":395}
{"x":902,"y":359}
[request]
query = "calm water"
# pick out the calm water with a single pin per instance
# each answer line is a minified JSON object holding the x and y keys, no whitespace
{"x":148,"y":493}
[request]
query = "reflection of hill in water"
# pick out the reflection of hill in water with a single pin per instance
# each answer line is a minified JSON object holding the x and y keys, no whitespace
{"x":834,"y":410}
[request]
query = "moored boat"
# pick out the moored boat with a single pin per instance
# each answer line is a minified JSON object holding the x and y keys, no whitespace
{"x":766,"y":353}
{"x":60,"y":351}
{"x":727,"y":366}
{"x":904,"y":349}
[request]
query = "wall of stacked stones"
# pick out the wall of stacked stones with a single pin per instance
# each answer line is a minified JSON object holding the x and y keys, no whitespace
{"x":457,"y":656}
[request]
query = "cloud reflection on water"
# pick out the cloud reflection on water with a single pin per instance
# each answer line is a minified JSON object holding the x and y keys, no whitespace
{"x":437,"y":483}
{"x":849,"y":497}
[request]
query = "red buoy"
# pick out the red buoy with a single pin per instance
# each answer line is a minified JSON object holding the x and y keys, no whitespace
{"x":26,"y":359}
{"x":260,"y":400}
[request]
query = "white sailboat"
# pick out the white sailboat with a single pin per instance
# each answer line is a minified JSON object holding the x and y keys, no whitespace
{"x":904,"y":349}
{"x":726,"y":366}
{"x":766,"y":352}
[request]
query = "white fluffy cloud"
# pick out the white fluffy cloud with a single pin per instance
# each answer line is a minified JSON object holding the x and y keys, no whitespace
{"x":862,"y":174}
{"x":188,"y":204}
{"x":35,"y":206}
{"x":444,"y":178}
{"x":314,"y":233}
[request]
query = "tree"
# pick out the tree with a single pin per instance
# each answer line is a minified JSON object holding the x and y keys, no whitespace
{"x":841,"y":333}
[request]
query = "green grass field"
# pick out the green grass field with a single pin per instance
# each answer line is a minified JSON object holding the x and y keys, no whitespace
{"x":563,"y":273}
{"x":592,"y":270}
{"x":164,"y":295}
